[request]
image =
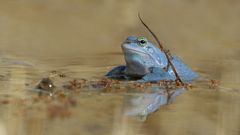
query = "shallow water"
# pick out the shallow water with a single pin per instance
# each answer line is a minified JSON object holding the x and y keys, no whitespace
{"x":82,"y":40}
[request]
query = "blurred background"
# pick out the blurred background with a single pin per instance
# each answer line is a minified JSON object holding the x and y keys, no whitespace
{"x":74,"y":28}
{"x":83,"y":38}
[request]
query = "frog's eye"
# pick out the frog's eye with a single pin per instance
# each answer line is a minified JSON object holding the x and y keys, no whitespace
{"x":142,"y":41}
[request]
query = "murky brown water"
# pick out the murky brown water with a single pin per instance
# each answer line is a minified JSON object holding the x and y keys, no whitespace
{"x":82,"y":39}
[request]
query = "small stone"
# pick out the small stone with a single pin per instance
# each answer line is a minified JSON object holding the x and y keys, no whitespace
{"x":46,"y":84}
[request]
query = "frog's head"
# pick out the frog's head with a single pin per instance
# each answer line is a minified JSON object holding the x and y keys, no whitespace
{"x":140,"y":55}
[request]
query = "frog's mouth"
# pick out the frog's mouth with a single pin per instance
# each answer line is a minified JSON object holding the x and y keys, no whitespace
{"x":127,"y":49}
{"x":133,"y":51}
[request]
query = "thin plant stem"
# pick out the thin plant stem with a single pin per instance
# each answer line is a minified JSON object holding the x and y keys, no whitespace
{"x":168,"y":55}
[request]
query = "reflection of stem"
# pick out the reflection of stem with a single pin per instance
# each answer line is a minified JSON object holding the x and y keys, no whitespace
{"x":168,"y":55}
{"x":169,"y":94}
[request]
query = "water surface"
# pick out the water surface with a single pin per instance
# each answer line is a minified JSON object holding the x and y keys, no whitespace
{"x":82,"y":40}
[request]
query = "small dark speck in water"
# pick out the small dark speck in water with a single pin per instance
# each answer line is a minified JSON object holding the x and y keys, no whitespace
{"x":62,"y":75}
{"x":1,"y":77}
{"x":4,"y":102}
{"x":46,"y":84}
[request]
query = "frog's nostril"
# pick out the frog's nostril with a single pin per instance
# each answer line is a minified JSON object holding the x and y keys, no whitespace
{"x":127,"y":42}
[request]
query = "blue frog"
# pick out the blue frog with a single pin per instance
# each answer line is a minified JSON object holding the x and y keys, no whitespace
{"x":147,"y":63}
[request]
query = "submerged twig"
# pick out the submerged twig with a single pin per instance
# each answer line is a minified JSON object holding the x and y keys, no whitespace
{"x":168,"y":55}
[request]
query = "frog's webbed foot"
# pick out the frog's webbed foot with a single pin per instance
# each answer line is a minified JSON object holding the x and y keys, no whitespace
{"x":117,"y":73}
{"x":157,"y":74}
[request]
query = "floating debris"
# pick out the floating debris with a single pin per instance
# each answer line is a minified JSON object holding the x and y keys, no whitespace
{"x":55,"y":73}
{"x":60,"y":111}
{"x":60,"y":106}
{"x":75,"y":84}
{"x":213,"y":84}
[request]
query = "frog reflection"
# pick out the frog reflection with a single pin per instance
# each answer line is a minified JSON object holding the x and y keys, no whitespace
{"x":141,"y":105}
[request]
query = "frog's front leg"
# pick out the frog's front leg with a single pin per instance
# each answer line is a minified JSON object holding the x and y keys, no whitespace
{"x":157,"y":74}
{"x":117,"y":73}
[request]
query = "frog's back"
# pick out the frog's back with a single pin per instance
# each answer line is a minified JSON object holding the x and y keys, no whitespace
{"x":185,"y":72}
